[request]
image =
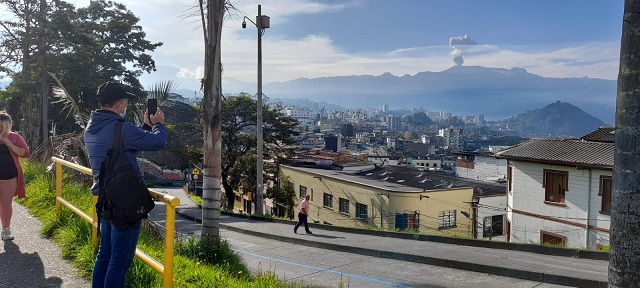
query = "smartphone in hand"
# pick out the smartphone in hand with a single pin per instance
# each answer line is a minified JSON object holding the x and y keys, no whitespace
{"x":152,"y":106}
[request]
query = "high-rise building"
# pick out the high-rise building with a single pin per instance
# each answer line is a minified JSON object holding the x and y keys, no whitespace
{"x":451,"y":138}
{"x":394,"y":123}
{"x":385,"y":108}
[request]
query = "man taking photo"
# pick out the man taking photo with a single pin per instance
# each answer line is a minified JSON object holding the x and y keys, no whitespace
{"x":117,"y":246}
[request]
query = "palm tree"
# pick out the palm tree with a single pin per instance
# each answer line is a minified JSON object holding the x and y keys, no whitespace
{"x":625,"y":204}
{"x":70,"y":146}
{"x":212,"y":86}
{"x":160,"y":91}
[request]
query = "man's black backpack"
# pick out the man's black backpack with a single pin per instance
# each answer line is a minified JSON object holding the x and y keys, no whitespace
{"x":124,"y":198}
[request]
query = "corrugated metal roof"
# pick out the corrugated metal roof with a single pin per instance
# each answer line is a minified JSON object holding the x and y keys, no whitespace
{"x":603,"y":134}
{"x":427,"y":180}
{"x":565,"y":151}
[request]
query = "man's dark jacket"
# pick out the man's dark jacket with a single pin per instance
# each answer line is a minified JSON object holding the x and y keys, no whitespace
{"x":98,"y":137}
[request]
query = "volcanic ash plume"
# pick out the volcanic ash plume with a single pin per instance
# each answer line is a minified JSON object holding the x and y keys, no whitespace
{"x":459,"y":45}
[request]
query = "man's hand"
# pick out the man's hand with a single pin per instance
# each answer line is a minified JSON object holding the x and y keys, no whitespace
{"x":158,"y":117}
{"x":147,"y":120}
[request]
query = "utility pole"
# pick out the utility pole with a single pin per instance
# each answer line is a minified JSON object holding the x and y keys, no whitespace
{"x":259,"y":181}
{"x":262,"y":22}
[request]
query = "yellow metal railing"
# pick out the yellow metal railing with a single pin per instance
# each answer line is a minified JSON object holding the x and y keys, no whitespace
{"x":172,"y":202}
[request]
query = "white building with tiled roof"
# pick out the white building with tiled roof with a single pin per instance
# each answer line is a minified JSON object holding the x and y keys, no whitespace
{"x":559,"y":192}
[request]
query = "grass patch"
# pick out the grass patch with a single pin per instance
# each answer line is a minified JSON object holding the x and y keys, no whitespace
{"x":194,"y":266}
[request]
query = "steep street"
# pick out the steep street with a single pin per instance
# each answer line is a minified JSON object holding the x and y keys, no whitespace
{"x":328,"y":268}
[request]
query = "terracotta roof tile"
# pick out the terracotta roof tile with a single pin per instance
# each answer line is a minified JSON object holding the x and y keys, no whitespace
{"x":603,"y":134}
{"x":564,"y":151}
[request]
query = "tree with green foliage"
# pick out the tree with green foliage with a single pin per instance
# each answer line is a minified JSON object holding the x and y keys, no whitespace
{"x":347,"y":130}
{"x":239,"y":141}
{"x":84,"y":47}
{"x":283,"y":195}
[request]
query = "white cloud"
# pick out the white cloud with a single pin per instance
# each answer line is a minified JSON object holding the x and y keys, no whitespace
{"x":184,"y":73}
{"x":199,"y":73}
{"x":597,"y":60}
{"x":318,"y":56}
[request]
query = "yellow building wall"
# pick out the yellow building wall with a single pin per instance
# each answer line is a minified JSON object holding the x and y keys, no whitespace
{"x":382,"y":205}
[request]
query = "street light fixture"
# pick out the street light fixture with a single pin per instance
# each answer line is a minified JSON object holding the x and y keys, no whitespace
{"x":262,"y":22}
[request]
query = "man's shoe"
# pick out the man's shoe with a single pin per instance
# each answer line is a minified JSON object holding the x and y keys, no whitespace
{"x":6,"y":234}
{"x":309,"y":232}
{"x":295,"y":231}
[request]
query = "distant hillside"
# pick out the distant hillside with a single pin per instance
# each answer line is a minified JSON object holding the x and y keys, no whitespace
{"x":462,"y":90}
{"x":305,"y":103}
{"x":559,"y":119}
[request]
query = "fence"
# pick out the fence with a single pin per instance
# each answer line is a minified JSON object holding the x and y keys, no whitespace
{"x":165,"y":270}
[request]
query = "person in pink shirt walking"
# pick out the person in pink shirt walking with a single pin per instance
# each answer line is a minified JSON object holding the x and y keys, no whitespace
{"x":302,"y":215}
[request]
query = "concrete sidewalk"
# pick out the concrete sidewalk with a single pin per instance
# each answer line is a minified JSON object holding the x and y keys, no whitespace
{"x":524,"y":265}
{"x":32,"y":261}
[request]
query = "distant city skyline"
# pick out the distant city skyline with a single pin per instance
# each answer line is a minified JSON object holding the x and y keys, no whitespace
{"x":310,"y":38}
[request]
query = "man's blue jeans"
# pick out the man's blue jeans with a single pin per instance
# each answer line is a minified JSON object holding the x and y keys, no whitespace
{"x":115,"y":255}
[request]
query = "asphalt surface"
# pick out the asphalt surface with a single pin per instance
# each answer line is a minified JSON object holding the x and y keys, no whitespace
{"x":524,"y":268}
{"x":324,"y":259}
{"x":32,"y":261}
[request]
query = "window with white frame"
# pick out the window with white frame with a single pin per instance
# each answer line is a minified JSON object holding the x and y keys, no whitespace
{"x":447,"y":219}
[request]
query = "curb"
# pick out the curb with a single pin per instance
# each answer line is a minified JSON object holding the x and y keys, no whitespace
{"x":532,"y":248}
{"x":455,"y":264}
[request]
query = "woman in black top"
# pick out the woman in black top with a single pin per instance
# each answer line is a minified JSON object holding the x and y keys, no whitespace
{"x":12,"y":146}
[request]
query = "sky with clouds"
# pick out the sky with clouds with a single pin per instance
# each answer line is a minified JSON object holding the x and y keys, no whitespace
{"x":320,"y":38}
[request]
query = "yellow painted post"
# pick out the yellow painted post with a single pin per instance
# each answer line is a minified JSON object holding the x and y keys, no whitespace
{"x":170,"y":227}
{"x":94,"y":227}
{"x":58,"y":186}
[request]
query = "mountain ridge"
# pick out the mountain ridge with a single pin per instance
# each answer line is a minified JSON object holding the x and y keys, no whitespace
{"x":467,"y":90}
{"x":497,"y":93}
{"x":559,"y":119}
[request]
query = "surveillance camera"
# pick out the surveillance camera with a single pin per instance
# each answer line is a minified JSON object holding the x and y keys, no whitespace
{"x":244,"y":24}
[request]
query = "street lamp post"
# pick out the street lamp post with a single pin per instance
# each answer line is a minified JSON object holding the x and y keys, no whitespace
{"x":262,"y":22}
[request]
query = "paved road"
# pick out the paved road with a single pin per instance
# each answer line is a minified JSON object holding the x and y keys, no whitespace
{"x":327,"y":268}
{"x":32,"y":261}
